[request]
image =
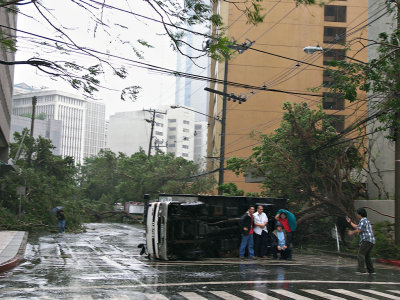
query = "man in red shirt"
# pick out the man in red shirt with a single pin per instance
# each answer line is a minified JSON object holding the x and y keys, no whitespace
{"x":246,"y":227}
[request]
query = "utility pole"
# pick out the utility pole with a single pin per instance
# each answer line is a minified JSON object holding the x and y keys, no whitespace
{"x":152,"y":121}
{"x":239,"y":48}
{"x":34,"y":102}
{"x":397,"y":161}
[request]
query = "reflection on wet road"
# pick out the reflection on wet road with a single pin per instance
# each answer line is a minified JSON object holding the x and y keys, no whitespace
{"x":104,"y":263}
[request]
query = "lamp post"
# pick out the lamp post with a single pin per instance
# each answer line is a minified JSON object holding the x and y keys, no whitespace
{"x":313,"y":49}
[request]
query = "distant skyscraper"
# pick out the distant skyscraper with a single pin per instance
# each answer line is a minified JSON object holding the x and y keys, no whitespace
{"x":83,"y":121}
{"x":191,"y":92}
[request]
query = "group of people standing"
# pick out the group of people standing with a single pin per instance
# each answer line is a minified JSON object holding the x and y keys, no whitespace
{"x":255,"y":237}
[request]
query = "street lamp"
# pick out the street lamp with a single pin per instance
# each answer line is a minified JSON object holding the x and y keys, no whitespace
{"x":312,"y":50}
{"x":197,"y":112}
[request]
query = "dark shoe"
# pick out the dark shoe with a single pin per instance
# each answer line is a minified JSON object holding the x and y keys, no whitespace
{"x":253,"y":257}
{"x":241,"y":257}
{"x":362,"y":273}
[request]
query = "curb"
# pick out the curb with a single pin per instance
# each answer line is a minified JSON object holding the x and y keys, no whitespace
{"x":395,"y":263}
{"x":18,"y":258}
{"x":389,"y":262}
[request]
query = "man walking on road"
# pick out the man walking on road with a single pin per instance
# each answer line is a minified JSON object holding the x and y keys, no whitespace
{"x":260,"y":232}
{"x":246,"y":228}
{"x":367,"y":241}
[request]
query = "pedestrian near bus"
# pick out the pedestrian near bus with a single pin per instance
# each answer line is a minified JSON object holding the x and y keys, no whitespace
{"x":260,"y":232}
{"x":280,"y":243}
{"x":246,"y":227}
{"x":61,"y":221}
{"x":367,"y":241}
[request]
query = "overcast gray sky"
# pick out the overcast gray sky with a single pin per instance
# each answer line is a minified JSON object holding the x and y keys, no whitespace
{"x":156,"y":89}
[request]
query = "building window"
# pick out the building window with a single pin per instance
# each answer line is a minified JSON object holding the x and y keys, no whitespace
{"x":334,"y":55}
{"x":185,"y":155}
{"x":326,"y":79}
{"x":197,"y":127}
{"x":172,"y":120}
{"x":159,"y":133}
{"x":171,"y":145}
{"x":337,"y":122}
{"x":160,"y":116}
{"x":332,"y":101}
{"x":172,"y":137}
{"x":333,"y":35}
{"x":335,"y":13}
{"x":185,"y":130}
{"x":159,"y":124}
{"x":185,"y":146}
{"x":185,"y":138}
{"x":172,"y":128}
{"x":186,"y":122}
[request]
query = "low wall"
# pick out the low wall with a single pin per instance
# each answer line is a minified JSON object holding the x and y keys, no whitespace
{"x":384,"y":207}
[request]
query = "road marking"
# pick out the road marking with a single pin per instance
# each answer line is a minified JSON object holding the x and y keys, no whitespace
{"x":138,"y":285}
{"x":120,"y":297}
{"x":225,"y":295}
{"x":192,"y":296}
{"x":259,"y":295}
{"x":381,"y":294}
{"x":394,"y":291}
{"x":155,"y":296}
{"x":290,"y":294}
{"x":323,"y":295}
{"x":83,"y":297}
{"x":352,"y":294}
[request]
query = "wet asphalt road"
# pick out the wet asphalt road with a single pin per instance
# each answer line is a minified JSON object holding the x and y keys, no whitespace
{"x":104,"y":263}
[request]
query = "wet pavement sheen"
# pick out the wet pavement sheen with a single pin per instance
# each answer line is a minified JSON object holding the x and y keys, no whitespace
{"x":104,"y":263}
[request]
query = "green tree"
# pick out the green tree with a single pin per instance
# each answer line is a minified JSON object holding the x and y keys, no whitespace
{"x":300,"y":161}
{"x":49,"y":181}
{"x":230,"y":189}
{"x":120,"y":178}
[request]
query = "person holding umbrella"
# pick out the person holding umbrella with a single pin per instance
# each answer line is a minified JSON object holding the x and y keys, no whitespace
{"x":60,"y":217}
{"x":288,"y":221}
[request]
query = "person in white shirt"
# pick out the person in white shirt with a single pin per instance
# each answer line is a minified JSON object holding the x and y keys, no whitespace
{"x":260,"y":232}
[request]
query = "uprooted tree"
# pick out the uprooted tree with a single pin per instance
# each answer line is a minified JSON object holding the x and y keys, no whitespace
{"x":306,"y":161}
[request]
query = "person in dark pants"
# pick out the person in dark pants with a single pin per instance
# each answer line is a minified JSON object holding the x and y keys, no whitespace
{"x":260,"y":232}
{"x":61,"y":221}
{"x":280,"y":243}
{"x":367,"y":241}
{"x":246,"y":228}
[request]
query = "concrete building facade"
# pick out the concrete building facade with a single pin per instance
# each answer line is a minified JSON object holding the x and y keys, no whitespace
{"x":200,"y":143}
{"x":128,"y":132}
{"x":287,"y":29}
{"x":83,"y":121}
{"x":49,"y":129}
{"x":8,"y":19}
{"x":181,"y":128}
{"x":382,"y":149}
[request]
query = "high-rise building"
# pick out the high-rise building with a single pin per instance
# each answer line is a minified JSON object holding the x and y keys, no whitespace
{"x":181,"y":129}
{"x":191,"y":92}
{"x":200,"y":143}
{"x":83,"y":121}
{"x":279,"y":40}
{"x":9,"y":19}
{"x":49,"y":129}
{"x":128,"y":132}
{"x":382,"y":150}
{"x":174,"y":132}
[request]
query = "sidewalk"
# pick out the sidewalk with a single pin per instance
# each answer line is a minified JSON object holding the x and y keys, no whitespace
{"x":12,"y":248}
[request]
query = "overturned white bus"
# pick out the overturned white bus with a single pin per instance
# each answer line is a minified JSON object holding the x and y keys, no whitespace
{"x":197,"y":226}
